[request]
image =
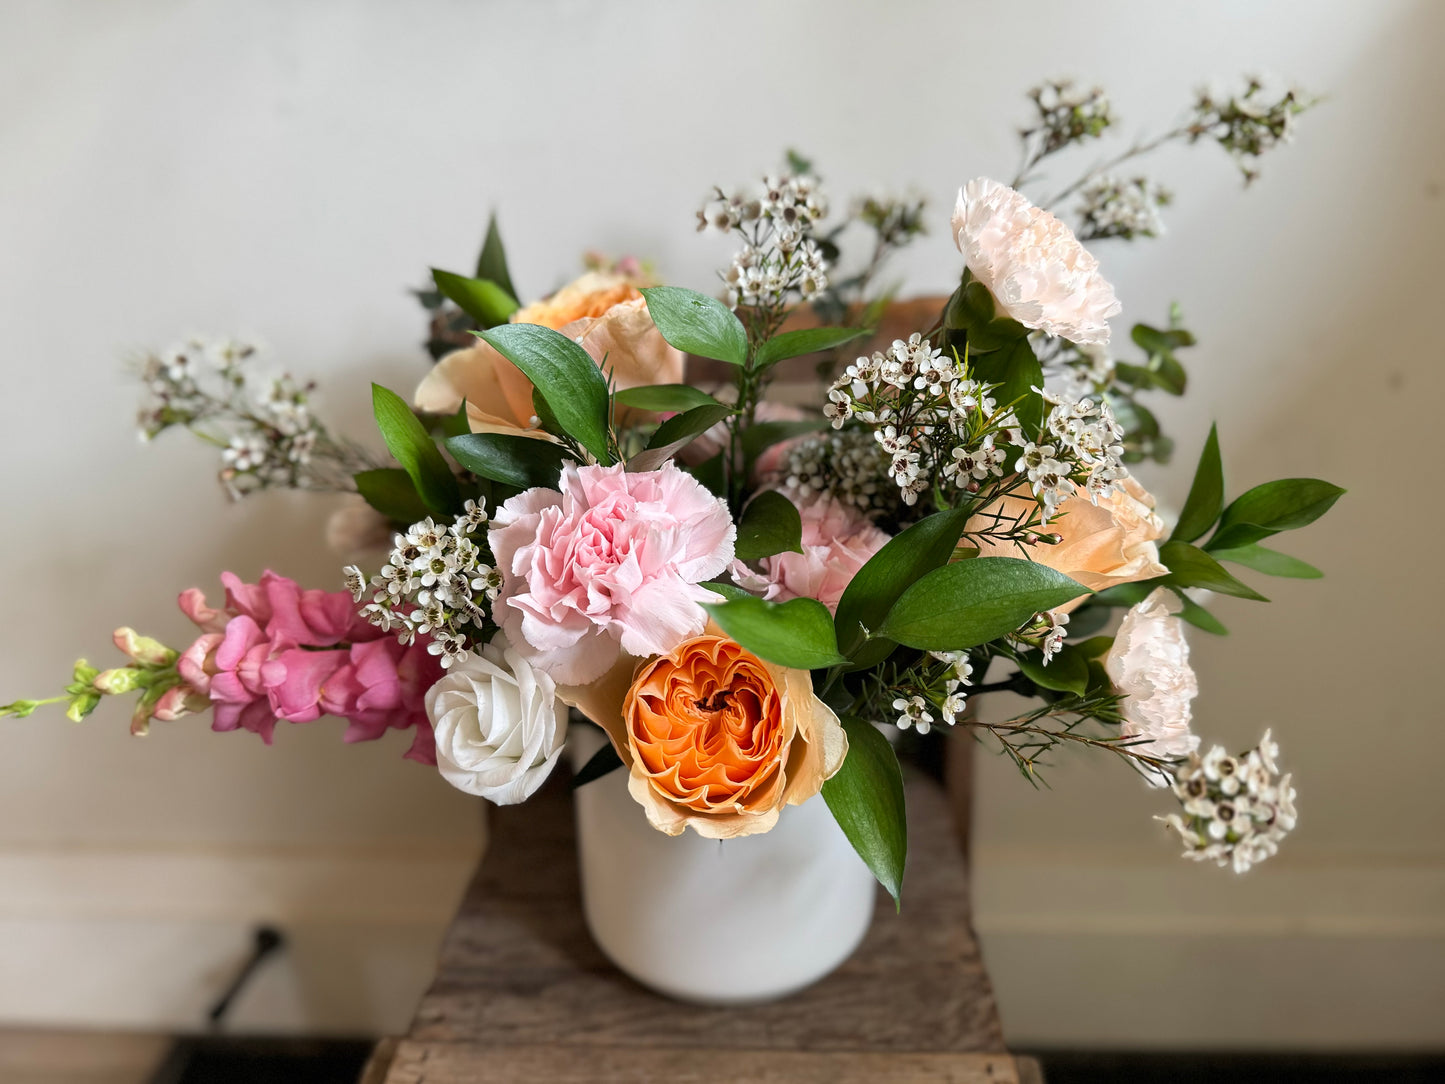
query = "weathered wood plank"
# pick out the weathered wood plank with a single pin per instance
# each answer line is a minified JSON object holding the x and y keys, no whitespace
{"x":518,"y":968}
{"x":468,"y":1063}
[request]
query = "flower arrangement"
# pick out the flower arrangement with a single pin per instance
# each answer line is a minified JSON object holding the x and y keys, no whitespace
{"x":745,"y":595}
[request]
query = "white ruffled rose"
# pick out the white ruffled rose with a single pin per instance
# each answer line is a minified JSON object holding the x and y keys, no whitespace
{"x":1149,"y":663}
{"x":1032,"y":264}
{"x":498,"y":723}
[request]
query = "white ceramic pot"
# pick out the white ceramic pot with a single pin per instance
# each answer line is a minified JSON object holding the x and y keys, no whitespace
{"x":717,"y":921}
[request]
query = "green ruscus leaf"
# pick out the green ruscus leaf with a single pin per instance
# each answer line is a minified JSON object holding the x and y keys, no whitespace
{"x":1206,"y":495}
{"x":872,"y":592}
{"x":1273,"y":507}
{"x":769,"y":524}
{"x":809,"y":340}
{"x":697,"y":323}
{"x":415,"y":450}
{"x":866,"y":799}
{"x":565,"y":375}
{"x":797,"y":633}
{"x":481,"y":299}
{"x":492,"y":263}
{"x":971,"y":602}
{"x":523,"y":462}
{"x":1190,"y":566}
{"x":391,"y":492}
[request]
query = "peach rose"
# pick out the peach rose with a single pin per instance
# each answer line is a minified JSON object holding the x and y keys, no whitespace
{"x":603,"y":312}
{"x":715,"y":737}
{"x":1102,"y":545}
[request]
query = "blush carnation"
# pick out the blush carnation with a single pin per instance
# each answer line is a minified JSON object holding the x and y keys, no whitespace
{"x":611,"y":563}
{"x":837,"y":542}
{"x":1032,"y":264}
{"x":1149,"y":663}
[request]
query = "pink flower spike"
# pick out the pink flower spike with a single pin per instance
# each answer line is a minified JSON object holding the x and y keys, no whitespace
{"x":294,"y":680}
{"x":198,"y":662}
{"x":192,"y":602}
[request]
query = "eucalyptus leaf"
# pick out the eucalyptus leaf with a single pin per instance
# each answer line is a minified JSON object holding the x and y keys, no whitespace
{"x":1190,"y":566}
{"x":391,"y":492}
{"x":769,"y":524}
{"x":792,"y":344}
{"x":697,"y":324}
{"x":565,"y":375}
{"x":1206,"y":494}
{"x":968,"y":603}
{"x":664,"y":397}
{"x":871,"y":593}
{"x":865,"y":797}
{"x":414,"y":449}
{"x":797,"y":633}
{"x":481,"y":299}
{"x":515,"y":460}
{"x":1270,"y":562}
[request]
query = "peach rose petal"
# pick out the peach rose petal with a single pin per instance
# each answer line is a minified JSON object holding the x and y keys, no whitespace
{"x":714,"y":737}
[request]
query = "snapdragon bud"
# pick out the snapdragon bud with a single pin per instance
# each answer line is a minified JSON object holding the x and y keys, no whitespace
{"x":143,"y":649}
{"x":122,"y":679}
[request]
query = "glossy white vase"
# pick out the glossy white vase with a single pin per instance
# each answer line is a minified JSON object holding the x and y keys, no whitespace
{"x":717,"y":921}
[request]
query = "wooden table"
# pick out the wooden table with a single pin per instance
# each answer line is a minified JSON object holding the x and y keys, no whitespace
{"x":522,"y":993}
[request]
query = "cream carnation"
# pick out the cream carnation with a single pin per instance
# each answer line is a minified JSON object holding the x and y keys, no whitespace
{"x":611,"y":563}
{"x":1032,"y":263}
{"x":1149,"y":663}
{"x":498,"y":724}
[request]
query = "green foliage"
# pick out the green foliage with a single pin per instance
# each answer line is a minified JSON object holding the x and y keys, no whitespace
{"x":971,"y":602}
{"x":1267,"y":509}
{"x":1206,"y":495}
{"x":1270,"y":562}
{"x":697,"y":324}
{"x":565,"y":376}
{"x":1199,"y":617}
{"x":677,"y":432}
{"x":871,"y":593}
{"x":664,"y":397}
{"x":492,"y":263}
{"x":512,"y":459}
{"x":481,"y":299}
{"x":866,"y":799}
{"x":792,"y":344}
{"x":1066,"y":672}
{"x":797,"y":633}
{"x":760,"y":436}
{"x":1190,"y":566}
{"x":391,"y":492}
{"x":972,"y":309}
{"x":598,"y":764}
{"x":770,"y":524}
{"x":415,"y":450}
{"x":1016,"y":370}
{"x":1163,"y":370}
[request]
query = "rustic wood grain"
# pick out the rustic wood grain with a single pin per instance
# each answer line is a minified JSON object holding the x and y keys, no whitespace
{"x":466,"y":1063}
{"x":520,"y":980}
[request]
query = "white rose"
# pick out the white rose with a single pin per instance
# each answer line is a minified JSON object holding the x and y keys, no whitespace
{"x":1032,"y":264}
{"x":1149,"y":663}
{"x":498,"y":723}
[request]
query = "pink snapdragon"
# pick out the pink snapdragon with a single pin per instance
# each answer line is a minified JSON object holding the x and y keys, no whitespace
{"x":837,"y":542}
{"x":613,"y":562}
{"x":278,"y":652}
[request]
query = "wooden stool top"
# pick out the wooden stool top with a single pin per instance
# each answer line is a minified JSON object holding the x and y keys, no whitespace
{"x":522,"y":993}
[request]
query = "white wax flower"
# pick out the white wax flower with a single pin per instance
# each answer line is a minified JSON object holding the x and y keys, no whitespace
{"x":1032,"y":263}
{"x":498,"y":724}
{"x":1149,"y":663}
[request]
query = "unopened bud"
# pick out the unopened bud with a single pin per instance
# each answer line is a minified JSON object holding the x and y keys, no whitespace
{"x":123,"y":679}
{"x":143,"y":649}
{"x":81,"y":706}
{"x":1052,"y":539}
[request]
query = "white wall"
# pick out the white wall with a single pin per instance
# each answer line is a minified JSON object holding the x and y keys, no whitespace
{"x":288,"y":170}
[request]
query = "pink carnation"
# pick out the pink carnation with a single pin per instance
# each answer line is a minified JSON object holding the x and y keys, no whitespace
{"x":837,"y":542}
{"x":612,"y":563}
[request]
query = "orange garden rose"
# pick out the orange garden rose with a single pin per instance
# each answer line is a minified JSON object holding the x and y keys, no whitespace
{"x":1100,"y":545}
{"x":602,"y":311}
{"x":715,"y":737}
